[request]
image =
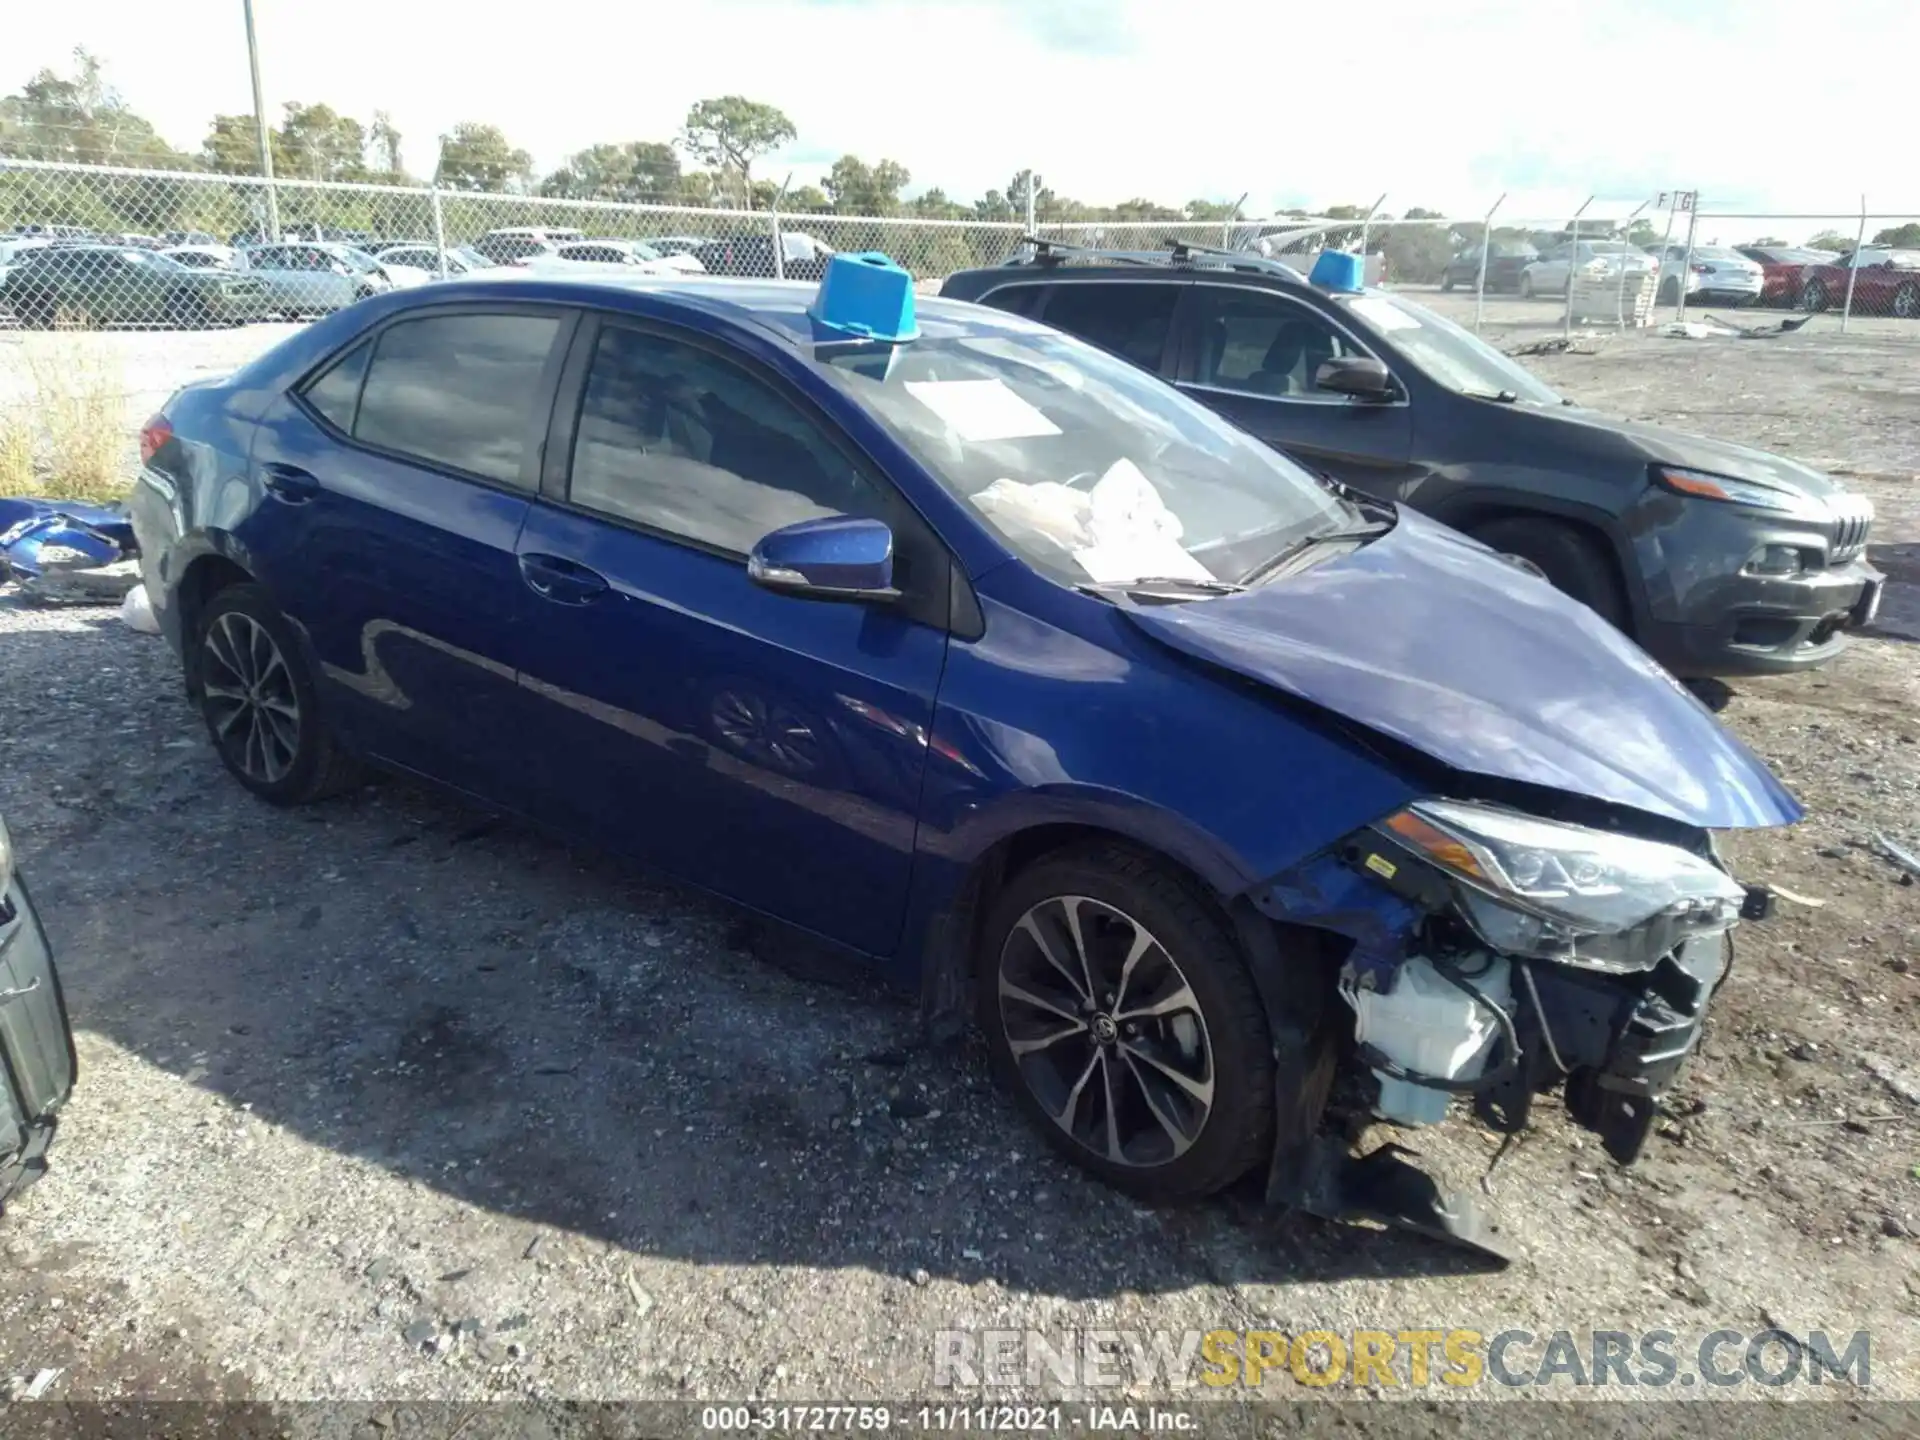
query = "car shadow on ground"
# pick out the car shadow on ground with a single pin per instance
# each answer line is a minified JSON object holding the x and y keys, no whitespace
{"x":554,"y":1034}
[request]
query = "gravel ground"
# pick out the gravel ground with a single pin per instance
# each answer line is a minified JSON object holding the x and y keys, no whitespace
{"x":387,"y":1099}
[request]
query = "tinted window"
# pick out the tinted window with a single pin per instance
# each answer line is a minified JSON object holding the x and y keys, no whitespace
{"x":1262,"y":344}
{"x":335,"y":393}
{"x":457,"y":390}
{"x":1132,"y":321}
{"x":1015,"y":299}
{"x":679,"y":440}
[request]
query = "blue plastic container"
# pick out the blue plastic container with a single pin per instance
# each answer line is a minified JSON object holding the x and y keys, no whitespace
{"x":866,"y":296}
{"x":1337,"y":270}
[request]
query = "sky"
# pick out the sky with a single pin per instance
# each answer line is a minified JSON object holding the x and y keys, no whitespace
{"x":1758,"y":104}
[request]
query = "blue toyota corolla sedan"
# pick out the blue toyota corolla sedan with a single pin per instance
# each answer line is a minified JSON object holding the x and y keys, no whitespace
{"x":1235,"y":807}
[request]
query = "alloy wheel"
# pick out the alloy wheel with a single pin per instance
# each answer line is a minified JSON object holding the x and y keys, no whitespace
{"x":1906,"y":302}
{"x":250,"y":699}
{"x":1105,"y":1031}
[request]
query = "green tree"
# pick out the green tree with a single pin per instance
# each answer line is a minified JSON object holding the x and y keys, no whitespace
{"x":1139,"y":209}
{"x":857,"y":188}
{"x":1831,"y":240}
{"x":80,"y":119}
{"x":806,"y":200}
{"x":933,"y":204}
{"x":730,"y":132}
{"x":232,"y":146}
{"x":638,"y":170}
{"x":318,"y":143}
{"x":383,"y":137}
{"x":1209,"y":209}
{"x":1901,"y":237}
{"x":480,"y":157}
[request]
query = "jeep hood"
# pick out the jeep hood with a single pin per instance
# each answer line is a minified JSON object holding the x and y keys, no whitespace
{"x":1661,"y":446}
{"x":1427,"y":637}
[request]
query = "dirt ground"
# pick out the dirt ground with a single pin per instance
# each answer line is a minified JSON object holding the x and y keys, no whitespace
{"x":385,"y":1099}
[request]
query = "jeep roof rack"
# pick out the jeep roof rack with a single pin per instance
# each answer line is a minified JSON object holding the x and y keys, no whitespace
{"x":1173,"y":252}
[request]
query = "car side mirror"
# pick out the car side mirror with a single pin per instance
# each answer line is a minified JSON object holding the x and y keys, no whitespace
{"x":1361,"y":376}
{"x":839,"y":557}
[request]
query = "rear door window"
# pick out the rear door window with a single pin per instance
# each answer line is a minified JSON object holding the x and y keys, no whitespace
{"x":1015,"y":299}
{"x":459,"y":391}
{"x":1126,"y":319}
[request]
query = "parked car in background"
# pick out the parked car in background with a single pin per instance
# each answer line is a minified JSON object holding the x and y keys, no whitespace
{"x":53,"y":232}
{"x":1781,"y":268}
{"x":92,"y":285}
{"x":628,"y":253}
{"x":519,"y":242}
{"x":1714,"y":274}
{"x":677,"y":244}
{"x":1505,"y":260}
{"x":1552,"y":271}
{"x":1718,"y":559}
{"x":803,"y":257}
{"x":190,"y":237}
{"x":1885,"y":282}
{"x":38,"y":1066}
{"x":888,"y":640}
{"x":12,"y":249}
{"x":206,"y":257}
{"x":317,"y":278}
{"x":460,"y":259}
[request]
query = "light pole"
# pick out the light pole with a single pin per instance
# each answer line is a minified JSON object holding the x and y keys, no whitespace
{"x":260,"y":126}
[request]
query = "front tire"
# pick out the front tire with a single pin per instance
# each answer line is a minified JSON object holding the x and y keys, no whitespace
{"x":1121,"y":1014}
{"x":256,"y":693}
{"x":1813,"y":297}
{"x":1526,"y":287}
{"x":1906,"y":302}
{"x":1446,"y":282}
{"x":1573,"y":564}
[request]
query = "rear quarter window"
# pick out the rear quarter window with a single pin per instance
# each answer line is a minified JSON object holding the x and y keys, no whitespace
{"x":458,"y":390}
{"x":335,"y":391}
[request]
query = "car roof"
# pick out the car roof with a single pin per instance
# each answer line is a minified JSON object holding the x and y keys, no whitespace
{"x":775,"y":308}
{"x":1231,"y":267}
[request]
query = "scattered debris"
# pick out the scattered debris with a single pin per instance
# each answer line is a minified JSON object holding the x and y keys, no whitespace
{"x":1807,"y":900}
{"x":642,"y":1301}
{"x":420,"y":1333}
{"x":1887,"y":850}
{"x":136,"y":612}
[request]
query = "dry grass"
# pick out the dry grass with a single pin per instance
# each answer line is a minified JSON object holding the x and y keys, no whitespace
{"x":64,"y":434}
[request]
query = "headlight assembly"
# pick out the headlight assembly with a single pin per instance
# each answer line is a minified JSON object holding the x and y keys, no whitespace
{"x":1736,"y":492}
{"x":1550,"y":891}
{"x":6,"y":860}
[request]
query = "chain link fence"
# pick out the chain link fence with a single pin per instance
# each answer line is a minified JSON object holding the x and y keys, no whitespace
{"x":93,"y":247}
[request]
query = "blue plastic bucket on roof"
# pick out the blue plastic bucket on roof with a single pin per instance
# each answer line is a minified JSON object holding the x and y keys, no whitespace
{"x":865,"y":296}
{"x":1337,"y":270}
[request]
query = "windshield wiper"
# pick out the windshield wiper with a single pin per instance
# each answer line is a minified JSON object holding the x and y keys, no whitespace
{"x":1312,"y":542}
{"x":1162,"y":587}
{"x":1499,"y":397}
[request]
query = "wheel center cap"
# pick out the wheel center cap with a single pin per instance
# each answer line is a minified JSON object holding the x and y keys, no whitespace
{"x":1104,"y":1030}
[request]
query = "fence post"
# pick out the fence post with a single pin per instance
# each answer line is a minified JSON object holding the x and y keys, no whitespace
{"x":1566,"y":330}
{"x":1480,"y":281}
{"x":1226,"y":226}
{"x":1366,"y":225}
{"x":260,"y":130}
{"x":1033,"y":184}
{"x":439,"y":229}
{"x":1620,"y":298}
{"x":1686,"y":262}
{"x":1853,"y":265}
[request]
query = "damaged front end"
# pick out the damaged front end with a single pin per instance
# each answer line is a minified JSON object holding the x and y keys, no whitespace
{"x":1493,"y":955}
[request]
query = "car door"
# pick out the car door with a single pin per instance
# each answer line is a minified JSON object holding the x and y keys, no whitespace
{"x":1551,"y":269}
{"x":1252,"y":355}
{"x":761,"y":745}
{"x":395,"y":481}
{"x":273,"y":269}
{"x":1127,"y":318}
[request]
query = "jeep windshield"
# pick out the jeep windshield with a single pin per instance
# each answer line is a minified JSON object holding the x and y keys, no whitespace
{"x":1092,"y":470}
{"x":1446,"y":353}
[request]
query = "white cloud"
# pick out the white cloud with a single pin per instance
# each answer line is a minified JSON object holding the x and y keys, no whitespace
{"x":1764,"y":104}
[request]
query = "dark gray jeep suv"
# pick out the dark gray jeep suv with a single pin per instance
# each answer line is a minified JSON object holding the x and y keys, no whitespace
{"x":1720,"y":560}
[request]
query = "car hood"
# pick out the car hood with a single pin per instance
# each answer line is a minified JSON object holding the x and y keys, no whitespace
{"x":1661,"y":446}
{"x":1429,"y":638}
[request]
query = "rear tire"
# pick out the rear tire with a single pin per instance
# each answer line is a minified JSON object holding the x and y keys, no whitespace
{"x":1170,"y":1105}
{"x":255,"y":691}
{"x":1574,"y":564}
{"x":1669,"y":292}
{"x":1906,"y":302}
{"x":188,"y":312}
{"x":1446,"y":282}
{"x":1813,"y":297}
{"x":1526,"y":287}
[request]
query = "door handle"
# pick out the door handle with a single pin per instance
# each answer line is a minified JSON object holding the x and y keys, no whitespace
{"x":565,"y":582}
{"x":6,"y":995}
{"x":289,"y":483}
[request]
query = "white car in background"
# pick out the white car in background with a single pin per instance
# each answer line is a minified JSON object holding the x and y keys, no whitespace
{"x":1552,"y":273}
{"x":1715,"y":273}
{"x":628,"y":253}
{"x":207,"y":257}
{"x":459,"y":260}
{"x":600,"y":255}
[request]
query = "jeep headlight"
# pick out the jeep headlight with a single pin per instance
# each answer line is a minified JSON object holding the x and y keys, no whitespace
{"x":6,"y":859}
{"x":1550,"y":891}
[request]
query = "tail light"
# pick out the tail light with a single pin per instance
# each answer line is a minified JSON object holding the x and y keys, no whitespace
{"x":1699,"y":269}
{"x":153,"y":435}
